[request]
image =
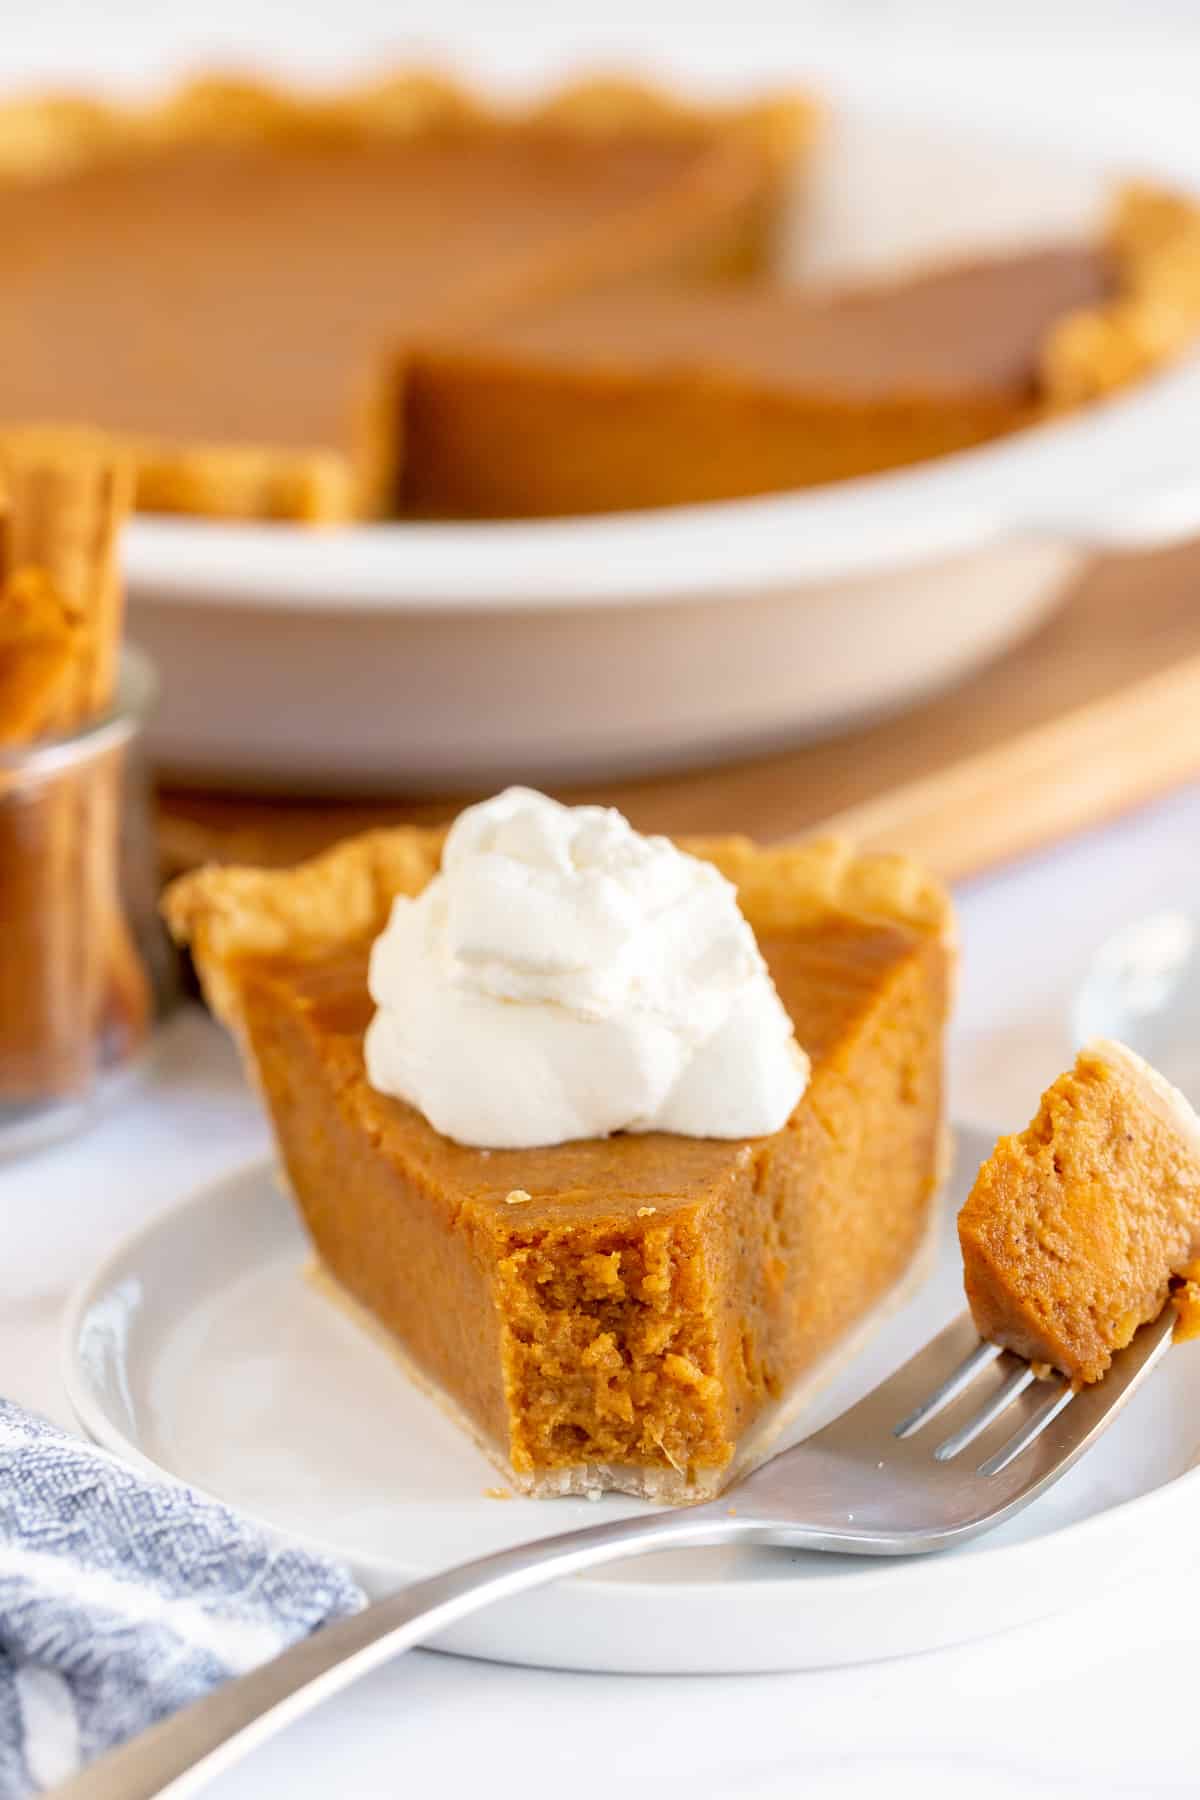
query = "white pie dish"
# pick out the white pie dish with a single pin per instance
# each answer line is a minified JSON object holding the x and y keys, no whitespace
{"x":416,"y":656}
{"x":199,"y":1348}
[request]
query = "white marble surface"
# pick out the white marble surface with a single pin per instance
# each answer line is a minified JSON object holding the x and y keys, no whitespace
{"x":1096,"y":1703}
{"x":1071,"y":1706}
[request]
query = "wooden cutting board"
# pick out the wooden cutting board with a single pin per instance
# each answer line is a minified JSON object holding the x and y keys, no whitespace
{"x":1096,"y":713}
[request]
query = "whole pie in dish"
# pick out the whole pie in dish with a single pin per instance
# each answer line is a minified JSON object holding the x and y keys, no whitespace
{"x":226,"y":278}
{"x":1077,"y":1229}
{"x":674,"y":393}
{"x":637,"y":1312}
{"x":404,"y":299}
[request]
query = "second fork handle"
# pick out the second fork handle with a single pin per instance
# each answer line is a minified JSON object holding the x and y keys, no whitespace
{"x":181,"y":1755}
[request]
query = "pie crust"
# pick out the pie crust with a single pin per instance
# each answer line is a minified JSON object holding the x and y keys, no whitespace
{"x":1153,"y":235}
{"x":344,"y":896}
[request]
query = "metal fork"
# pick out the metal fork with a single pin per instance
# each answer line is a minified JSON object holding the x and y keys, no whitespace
{"x":958,"y":1439}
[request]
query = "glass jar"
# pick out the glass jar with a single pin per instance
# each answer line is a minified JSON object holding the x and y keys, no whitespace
{"x":84,"y":967}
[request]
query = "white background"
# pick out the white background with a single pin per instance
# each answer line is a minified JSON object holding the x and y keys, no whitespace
{"x":1098,"y":1703}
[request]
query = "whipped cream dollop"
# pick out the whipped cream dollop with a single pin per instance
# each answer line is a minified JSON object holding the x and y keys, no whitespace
{"x":564,"y":977}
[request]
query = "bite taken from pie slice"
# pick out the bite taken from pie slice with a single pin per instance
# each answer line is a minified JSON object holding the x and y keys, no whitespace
{"x":1079,"y":1229}
{"x":689,"y":1116}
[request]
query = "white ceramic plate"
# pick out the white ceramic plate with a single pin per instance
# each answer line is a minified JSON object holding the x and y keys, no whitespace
{"x":200,"y":1348}
{"x":426,"y":655}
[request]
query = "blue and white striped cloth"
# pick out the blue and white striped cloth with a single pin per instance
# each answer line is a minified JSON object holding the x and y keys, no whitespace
{"x":123,"y":1597}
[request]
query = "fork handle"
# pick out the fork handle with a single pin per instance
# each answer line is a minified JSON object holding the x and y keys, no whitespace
{"x":180,"y":1755}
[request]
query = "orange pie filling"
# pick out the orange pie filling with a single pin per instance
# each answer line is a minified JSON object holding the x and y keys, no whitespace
{"x":664,"y":395}
{"x":661,"y":394}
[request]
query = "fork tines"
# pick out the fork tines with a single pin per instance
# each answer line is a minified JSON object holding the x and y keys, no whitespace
{"x":956,"y":1384}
